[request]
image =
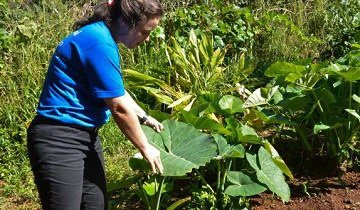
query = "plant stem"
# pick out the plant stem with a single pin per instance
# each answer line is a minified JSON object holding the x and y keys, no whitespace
{"x":146,"y":200}
{"x":348,"y":131}
{"x":318,"y":103}
{"x":303,"y":138}
{"x":218,"y":176}
{"x":228,"y":163}
{"x":162,"y":179}
{"x":204,"y":181}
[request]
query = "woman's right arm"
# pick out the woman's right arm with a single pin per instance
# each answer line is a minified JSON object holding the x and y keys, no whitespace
{"x":127,"y":120}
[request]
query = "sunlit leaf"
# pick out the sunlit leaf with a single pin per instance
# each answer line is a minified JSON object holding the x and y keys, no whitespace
{"x":226,"y":150}
{"x":231,"y":104}
{"x":243,"y":184}
{"x":356,"y":98}
{"x":268,"y":173}
{"x":182,"y":147}
{"x":278,"y":160}
{"x":290,"y":71}
{"x":179,"y":101}
{"x":260,"y":96}
{"x":353,"y":113}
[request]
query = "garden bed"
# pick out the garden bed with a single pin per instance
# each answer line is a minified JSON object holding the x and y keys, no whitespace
{"x":326,"y":193}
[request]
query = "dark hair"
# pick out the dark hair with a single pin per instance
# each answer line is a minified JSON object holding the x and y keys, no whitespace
{"x":130,"y":11}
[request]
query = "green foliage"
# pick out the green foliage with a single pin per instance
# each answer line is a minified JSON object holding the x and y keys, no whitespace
{"x":268,"y":173}
{"x":198,"y":67}
{"x":182,"y":147}
{"x":243,"y":185}
{"x":319,"y":98}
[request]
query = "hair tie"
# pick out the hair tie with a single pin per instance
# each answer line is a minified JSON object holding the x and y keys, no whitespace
{"x":110,"y":3}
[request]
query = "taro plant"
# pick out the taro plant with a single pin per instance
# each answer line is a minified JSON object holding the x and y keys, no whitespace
{"x":182,"y":149}
{"x":314,"y":99}
{"x":236,"y":176}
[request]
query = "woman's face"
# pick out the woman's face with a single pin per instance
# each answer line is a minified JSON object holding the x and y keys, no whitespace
{"x":139,"y":33}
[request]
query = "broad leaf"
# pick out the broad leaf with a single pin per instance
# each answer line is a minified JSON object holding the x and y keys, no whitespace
{"x":243,"y":185}
{"x":278,"y":160}
{"x":325,"y":96}
{"x":290,"y":71}
{"x":226,"y":150}
{"x":150,"y":187}
{"x":202,"y":109}
{"x":182,"y":148}
{"x":213,"y":99}
{"x":295,"y":103}
{"x":269,"y":117}
{"x":242,"y":133}
{"x":268,"y":173}
{"x":351,"y":74}
{"x":260,"y":96}
{"x":137,"y":163}
{"x":203,"y":122}
{"x":231,"y":104}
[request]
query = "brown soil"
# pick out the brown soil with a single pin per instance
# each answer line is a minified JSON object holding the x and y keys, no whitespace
{"x":327,"y":193}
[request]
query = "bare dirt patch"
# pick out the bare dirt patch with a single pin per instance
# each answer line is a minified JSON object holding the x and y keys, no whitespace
{"x":328,"y":193}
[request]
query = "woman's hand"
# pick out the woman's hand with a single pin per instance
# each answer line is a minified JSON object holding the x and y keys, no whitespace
{"x":152,"y":155}
{"x":152,"y":122}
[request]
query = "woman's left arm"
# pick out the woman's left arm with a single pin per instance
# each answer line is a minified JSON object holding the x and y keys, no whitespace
{"x":148,"y":120}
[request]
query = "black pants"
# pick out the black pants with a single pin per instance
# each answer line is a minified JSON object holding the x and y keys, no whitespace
{"x":68,"y":166}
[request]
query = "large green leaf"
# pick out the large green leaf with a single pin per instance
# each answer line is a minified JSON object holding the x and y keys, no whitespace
{"x":268,"y":173}
{"x":226,"y":150}
{"x":242,"y":133}
{"x":182,"y":147}
{"x":260,"y":96}
{"x":151,"y":187}
{"x":137,"y":163}
{"x":231,"y":104}
{"x":213,"y":99}
{"x":202,"y":109}
{"x":270,"y":117}
{"x":351,"y":74}
{"x":203,"y":122}
{"x":290,"y":71}
{"x":243,"y":185}
{"x":277,"y":159}
{"x":295,"y":103}
{"x":325,"y":96}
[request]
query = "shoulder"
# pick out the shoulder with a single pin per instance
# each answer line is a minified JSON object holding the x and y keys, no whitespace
{"x":92,"y":35}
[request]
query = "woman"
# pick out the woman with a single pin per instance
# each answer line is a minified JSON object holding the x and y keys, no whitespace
{"x":83,"y":87}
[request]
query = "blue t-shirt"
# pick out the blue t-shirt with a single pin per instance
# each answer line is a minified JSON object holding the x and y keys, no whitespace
{"x":84,"y":70}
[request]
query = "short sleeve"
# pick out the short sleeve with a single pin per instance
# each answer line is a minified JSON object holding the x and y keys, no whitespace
{"x":103,"y":71}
